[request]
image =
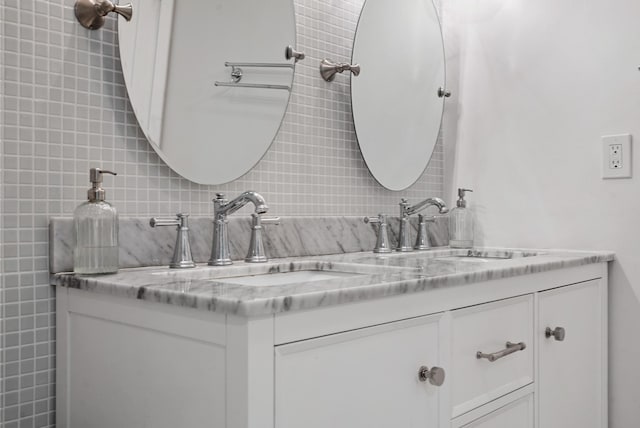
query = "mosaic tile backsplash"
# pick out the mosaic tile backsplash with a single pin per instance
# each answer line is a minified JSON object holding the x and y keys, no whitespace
{"x":65,"y":109}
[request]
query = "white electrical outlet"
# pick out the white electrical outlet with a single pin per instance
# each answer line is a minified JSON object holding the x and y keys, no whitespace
{"x":616,"y":156}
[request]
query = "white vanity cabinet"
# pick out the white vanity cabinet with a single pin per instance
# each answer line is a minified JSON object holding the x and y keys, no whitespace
{"x":125,"y":362}
{"x":568,"y":347}
{"x":373,"y":377}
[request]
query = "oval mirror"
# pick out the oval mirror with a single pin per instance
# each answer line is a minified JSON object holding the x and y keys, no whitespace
{"x":173,"y":53}
{"x":397,"y":108}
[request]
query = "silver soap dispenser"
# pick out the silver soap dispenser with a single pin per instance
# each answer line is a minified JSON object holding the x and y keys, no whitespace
{"x":96,"y":229}
{"x":461,"y":223}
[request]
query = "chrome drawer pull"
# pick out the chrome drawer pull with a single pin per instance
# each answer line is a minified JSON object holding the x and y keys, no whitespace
{"x":558,"y":333}
{"x":511,"y":348}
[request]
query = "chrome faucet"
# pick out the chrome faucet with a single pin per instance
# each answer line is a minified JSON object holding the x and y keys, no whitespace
{"x":406,"y":210}
{"x":220,"y":254}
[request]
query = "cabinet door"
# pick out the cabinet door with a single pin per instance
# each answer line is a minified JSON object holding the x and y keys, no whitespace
{"x":572,"y":368}
{"x":517,"y":414}
{"x":365,"y":378}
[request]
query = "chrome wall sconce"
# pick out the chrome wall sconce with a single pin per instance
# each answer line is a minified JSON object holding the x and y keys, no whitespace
{"x":329,"y":69}
{"x":91,"y":13}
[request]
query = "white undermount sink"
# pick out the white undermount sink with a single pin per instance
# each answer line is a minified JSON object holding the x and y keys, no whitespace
{"x":305,"y":271}
{"x":283,"y":278}
{"x":471,"y":259}
{"x":275,"y":274}
{"x":449,"y":257}
{"x":487,"y":256}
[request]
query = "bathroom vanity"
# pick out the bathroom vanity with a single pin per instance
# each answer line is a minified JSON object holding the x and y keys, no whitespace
{"x":444,"y":338}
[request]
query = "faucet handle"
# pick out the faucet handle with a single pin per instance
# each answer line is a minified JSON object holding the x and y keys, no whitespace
{"x":404,"y":208}
{"x":219,"y":202}
{"x":379,"y":219}
{"x":268,"y":219}
{"x":256,"y":253}
{"x":166,"y":221}
{"x":422,"y":240}
{"x":182,"y":258}
{"x":382,"y":240}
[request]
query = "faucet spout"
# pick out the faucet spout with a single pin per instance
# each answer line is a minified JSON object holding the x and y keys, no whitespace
{"x":437,"y":202}
{"x":224,"y":208}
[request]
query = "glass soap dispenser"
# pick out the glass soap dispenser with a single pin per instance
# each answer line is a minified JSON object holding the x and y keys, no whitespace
{"x":96,"y":228}
{"x":461,"y":223}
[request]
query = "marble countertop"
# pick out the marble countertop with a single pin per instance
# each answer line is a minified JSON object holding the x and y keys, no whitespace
{"x":311,"y":282}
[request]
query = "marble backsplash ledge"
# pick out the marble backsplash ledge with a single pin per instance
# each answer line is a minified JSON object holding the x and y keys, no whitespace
{"x":142,"y":245}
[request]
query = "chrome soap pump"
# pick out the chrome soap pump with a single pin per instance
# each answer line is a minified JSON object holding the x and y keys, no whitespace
{"x":461,"y":223}
{"x":96,"y":230}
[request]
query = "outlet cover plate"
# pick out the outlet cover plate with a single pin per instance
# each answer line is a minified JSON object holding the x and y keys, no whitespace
{"x":616,"y":156}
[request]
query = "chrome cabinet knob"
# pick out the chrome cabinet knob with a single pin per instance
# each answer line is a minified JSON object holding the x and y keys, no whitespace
{"x":558,"y":333}
{"x":435,"y":376}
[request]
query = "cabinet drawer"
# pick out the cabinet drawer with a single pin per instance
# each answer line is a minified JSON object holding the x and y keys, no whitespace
{"x":487,"y":329}
{"x":517,"y":414}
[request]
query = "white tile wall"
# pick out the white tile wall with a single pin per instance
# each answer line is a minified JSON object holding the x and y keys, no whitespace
{"x":65,"y":109}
